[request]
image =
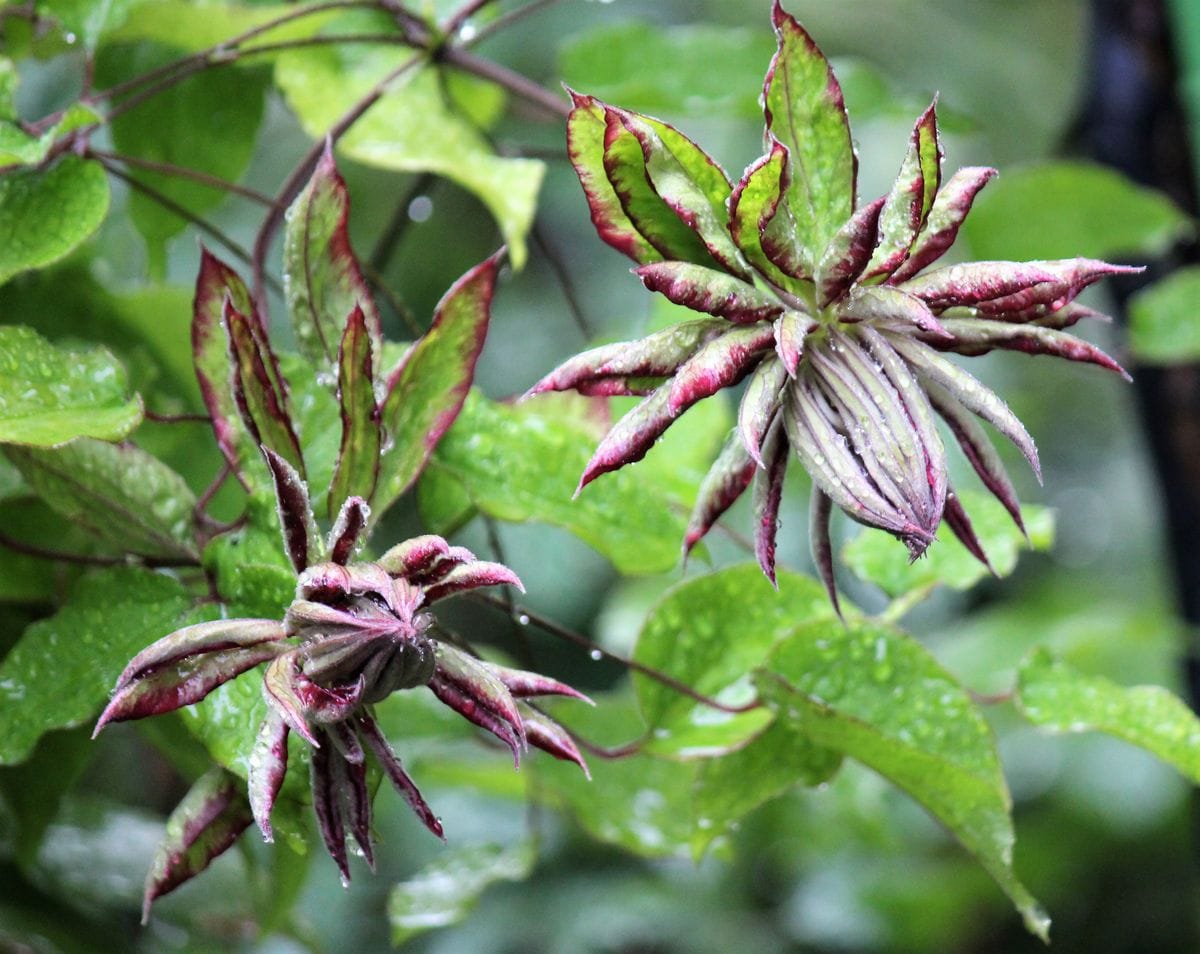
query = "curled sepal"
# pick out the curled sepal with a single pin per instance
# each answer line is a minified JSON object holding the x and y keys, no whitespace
{"x":267,"y":768}
{"x":322,"y":280}
{"x":790,"y":331}
{"x":471,"y":576}
{"x":820,"y":509}
{"x":415,"y":556}
{"x":326,"y":772}
{"x":301,"y":538}
{"x":362,"y":431}
{"x":969,"y":392}
{"x":754,"y":205}
{"x":585,"y":147}
{"x":977,"y":448}
{"x":186,"y":666}
{"x":524,"y":685}
{"x":975,"y":282}
{"x":470,"y":689}
{"x":760,"y":406}
{"x":847,"y":253}
{"x":710,"y":291}
{"x":215,"y":283}
{"x":260,"y":388}
{"x":950,"y":208}
{"x":654,"y":219}
{"x":345,"y":536}
{"x":876,"y":303}
{"x":978,"y":335}
{"x":356,"y":795}
{"x":767,"y":494}
{"x":280,"y":692}
{"x":910,"y":199}
{"x":368,"y":731}
{"x":805,"y":111}
{"x":546,"y":734}
{"x":631,"y":436}
{"x":203,"y":825}
{"x":725,"y":481}
{"x":722,"y":362}
{"x":656,"y":355}
{"x":960,"y":524}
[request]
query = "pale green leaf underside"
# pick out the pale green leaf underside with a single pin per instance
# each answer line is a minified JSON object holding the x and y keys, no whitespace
{"x":411,"y":129}
{"x":1057,"y":697}
{"x":49,"y":394}
{"x":1164,"y":319}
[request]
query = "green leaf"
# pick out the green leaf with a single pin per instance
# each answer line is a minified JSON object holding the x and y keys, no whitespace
{"x":317,"y":420}
{"x":412,"y":128}
{"x":249,"y":566}
{"x":322,"y":279}
{"x":873,"y":556}
{"x":730,"y":787}
{"x":876,"y":695}
{"x":1055,"y":696}
{"x":119,"y":493}
{"x":523,"y":463}
{"x":713,"y":71}
{"x":362,"y":435}
{"x":86,"y":20}
{"x":49,"y":395}
{"x":192,"y":26}
{"x":1164,"y":324}
{"x":640,"y":803}
{"x":34,"y":790}
{"x":1063,"y":209}
{"x":804,"y":109}
{"x":445,"y":891}
{"x":60,"y":672}
{"x":17,"y":146}
{"x":426,"y":391}
{"x":208,"y":123}
{"x":46,"y":213}
{"x":710,"y":633}
{"x":30,"y":579}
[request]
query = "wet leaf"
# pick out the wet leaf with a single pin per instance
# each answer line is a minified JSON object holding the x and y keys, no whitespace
{"x":710,"y":633}
{"x":872,"y":555}
{"x":117,"y":492}
{"x":81,"y":648}
{"x":446,"y":890}
{"x":1164,"y":324}
{"x":1057,"y":697}
{"x":426,"y":392}
{"x":250,"y":567}
{"x":412,"y":129}
{"x":323,"y":282}
{"x":875,"y":695}
{"x":362,"y":435}
{"x":1061,"y":209}
{"x":47,"y":212}
{"x":49,"y":394}
{"x":523,"y":463}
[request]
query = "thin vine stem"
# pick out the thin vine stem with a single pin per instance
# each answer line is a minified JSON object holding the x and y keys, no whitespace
{"x":188,"y":418}
{"x":599,"y":652}
{"x":90,"y":559}
{"x":562,"y":276}
{"x":182,"y":172}
{"x":504,"y":21}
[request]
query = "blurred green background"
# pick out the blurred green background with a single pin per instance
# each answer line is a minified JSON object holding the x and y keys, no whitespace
{"x":1105,"y":838}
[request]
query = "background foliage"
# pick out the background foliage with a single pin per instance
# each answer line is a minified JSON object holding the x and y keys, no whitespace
{"x":660,"y":851}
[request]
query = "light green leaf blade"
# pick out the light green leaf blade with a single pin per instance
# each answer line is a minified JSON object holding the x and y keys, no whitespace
{"x":522,"y":463}
{"x":1063,"y":209}
{"x":874,"y":557}
{"x":693,"y":636}
{"x":119,"y":493}
{"x":62,"y":669}
{"x":1164,"y":319}
{"x":1057,"y":697}
{"x":730,"y":787}
{"x":49,"y":394}
{"x":191,"y":26}
{"x":876,"y":695}
{"x":46,"y":213}
{"x":86,"y":20}
{"x":444,"y":891}
{"x":412,"y":129}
